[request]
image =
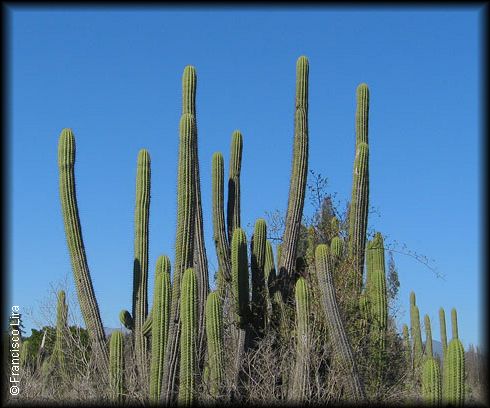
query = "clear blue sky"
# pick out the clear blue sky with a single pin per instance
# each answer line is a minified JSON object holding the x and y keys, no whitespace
{"x":114,"y":76}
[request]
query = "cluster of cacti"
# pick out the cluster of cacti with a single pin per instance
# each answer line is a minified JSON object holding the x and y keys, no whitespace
{"x":187,"y":325}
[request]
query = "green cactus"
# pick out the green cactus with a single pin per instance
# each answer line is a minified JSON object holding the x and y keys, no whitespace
{"x":337,"y":247}
{"x":184,"y":251}
{"x":270,"y":278}
{"x":233,"y":204}
{"x":362,"y":113}
{"x":189,"y":85}
{"x":431,"y":382}
{"x":415,"y":332}
{"x":57,"y":358}
{"x":299,"y":389}
{"x":454,"y":323}
{"x":442,"y":326}
{"x":159,"y":330}
{"x":219,"y":228}
{"x":334,"y":228}
{"x":239,"y":273}
{"x":214,"y":331}
{"x":74,"y":238}
{"x":454,"y":374}
{"x":258,"y":255}
{"x":140,"y":264}
{"x":116,"y":367}
{"x":428,"y":337}
{"x":406,"y":344}
{"x":126,"y":319}
{"x":343,"y":355}
{"x":188,"y":339}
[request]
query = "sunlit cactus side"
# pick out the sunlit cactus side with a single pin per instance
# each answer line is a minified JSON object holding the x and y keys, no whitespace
{"x":219,"y":228}
{"x":140,"y":264}
{"x":431,"y":382}
{"x":442,"y":326}
{"x":406,"y":344}
{"x":214,"y":332}
{"x":454,"y":324}
{"x":415,"y":332}
{"x":240,"y":278}
{"x":160,"y":322}
{"x":257,"y":262}
{"x":428,"y":337}
{"x":233,"y":203}
{"x":74,"y":238}
{"x":342,"y":350}
{"x":188,"y":339}
{"x":454,"y":374}
{"x":189,"y":85}
{"x":299,"y":389}
{"x":184,"y":251}
{"x":116,"y":366}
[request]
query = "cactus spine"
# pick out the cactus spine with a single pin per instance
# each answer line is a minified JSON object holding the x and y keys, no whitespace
{"x":299,"y":389}
{"x":454,"y":323}
{"x":116,"y":367}
{"x":189,"y":84}
{"x":431,"y":382}
{"x":140,"y":266}
{"x":415,"y":331}
{"x":219,"y":228}
{"x":258,"y":254}
{"x":188,"y":339}
{"x":214,"y":331}
{"x":159,"y":330}
{"x":233,"y":204}
{"x":442,"y":326}
{"x":342,"y":349}
{"x":428,"y":337}
{"x":297,"y":184}
{"x":454,"y":374}
{"x":184,"y":250}
{"x":74,"y":238}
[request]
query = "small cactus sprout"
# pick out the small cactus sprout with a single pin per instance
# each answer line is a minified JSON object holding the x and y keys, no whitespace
{"x":116,"y":366}
{"x":431,"y":382}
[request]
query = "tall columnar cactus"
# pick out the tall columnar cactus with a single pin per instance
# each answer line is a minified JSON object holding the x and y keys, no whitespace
{"x":219,"y":228}
{"x":184,"y":250}
{"x":270,"y":278}
{"x":428,"y":337}
{"x":233,"y":204}
{"x":454,"y":373}
{"x":415,"y":332}
{"x":189,"y":84}
{"x":57,"y":359}
{"x":188,"y":339}
{"x":454,"y":323}
{"x":406,"y":344}
{"x":160,"y":323}
{"x":431,"y":382}
{"x":214,"y":332}
{"x":258,"y":249}
{"x":116,"y":367}
{"x":442,"y":326}
{"x":299,"y":389}
{"x":343,"y":355}
{"x":74,"y":238}
{"x":140,"y":264}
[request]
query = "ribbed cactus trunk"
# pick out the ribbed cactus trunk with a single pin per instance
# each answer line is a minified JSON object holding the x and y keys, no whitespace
{"x":74,"y":238}
{"x":297,"y":186}
{"x":140,"y":265}
{"x":233,"y":203}
{"x":299,"y":391}
{"x":214,"y":331}
{"x":442,"y":326}
{"x":342,"y":355}
{"x":454,"y":374}
{"x":258,"y":255}
{"x":159,"y":330}
{"x":188,"y":339}
{"x":454,"y":324}
{"x":431,"y":382}
{"x":184,"y":251}
{"x":416,"y":333}
{"x":270,"y":280}
{"x":57,"y":360}
{"x":116,"y":367}
{"x":358,"y":212}
{"x":189,"y":85}
{"x":428,"y":337}
{"x":219,"y":228}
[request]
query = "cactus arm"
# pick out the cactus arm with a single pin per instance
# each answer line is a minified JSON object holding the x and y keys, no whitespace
{"x":73,"y":232}
{"x":233,"y":203}
{"x":442,"y":326}
{"x":454,"y":323}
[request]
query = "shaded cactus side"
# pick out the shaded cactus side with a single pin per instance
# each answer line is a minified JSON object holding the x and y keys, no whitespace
{"x":214,"y":331}
{"x":73,"y":231}
{"x":116,"y":367}
{"x":159,"y":330}
{"x":188,"y":339}
{"x":343,"y":355}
